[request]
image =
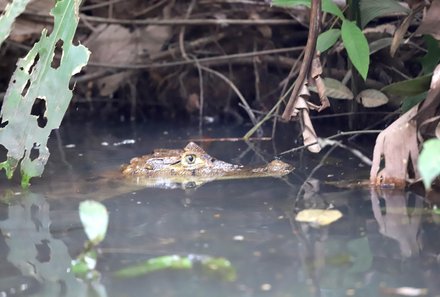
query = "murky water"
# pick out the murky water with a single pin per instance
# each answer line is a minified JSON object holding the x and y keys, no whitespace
{"x":384,"y":242}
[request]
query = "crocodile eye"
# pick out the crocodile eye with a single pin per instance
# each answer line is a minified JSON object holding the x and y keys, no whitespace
{"x":190,"y":159}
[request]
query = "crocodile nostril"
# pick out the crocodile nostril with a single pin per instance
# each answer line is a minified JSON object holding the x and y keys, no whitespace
{"x":213,"y":160}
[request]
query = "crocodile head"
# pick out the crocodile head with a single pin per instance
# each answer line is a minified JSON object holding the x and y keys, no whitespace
{"x":194,"y":166}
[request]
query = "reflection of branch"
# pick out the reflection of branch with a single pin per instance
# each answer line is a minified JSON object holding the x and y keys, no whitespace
{"x":396,"y":223}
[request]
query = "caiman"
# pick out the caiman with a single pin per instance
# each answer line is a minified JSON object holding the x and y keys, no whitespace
{"x":186,"y":168}
{"x":192,"y":167}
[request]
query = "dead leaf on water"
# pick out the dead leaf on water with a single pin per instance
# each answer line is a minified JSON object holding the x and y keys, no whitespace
{"x":318,"y":217}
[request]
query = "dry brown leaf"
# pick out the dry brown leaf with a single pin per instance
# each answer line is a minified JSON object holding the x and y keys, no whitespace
{"x":310,"y":138}
{"x":109,"y":84}
{"x":430,"y":23}
{"x":427,"y":115}
{"x":335,"y":89}
{"x":437,"y":131}
{"x":398,"y":145}
{"x":400,"y":33}
{"x":371,"y":98}
{"x":116,"y":44}
{"x":153,"y":38}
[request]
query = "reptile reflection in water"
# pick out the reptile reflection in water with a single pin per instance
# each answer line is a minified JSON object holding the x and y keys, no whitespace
{"x":191,"y":167}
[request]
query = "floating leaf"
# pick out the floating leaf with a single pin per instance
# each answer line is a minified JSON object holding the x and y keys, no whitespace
{"x":371,"y":98}
{"x":429,"y":161}
{"x":335,"y":89}
{"x":94,"y":217}
{"x":318,"y":217}
{"x":357,"y":47}
{"x":40,"y":81}
{"x":371,"y":9}
{"x":327,"y":39}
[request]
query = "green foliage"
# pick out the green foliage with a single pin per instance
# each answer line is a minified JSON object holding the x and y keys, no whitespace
{"x":410,"y":87}
{"x":411,"y":101}
{"x":357,"y":47}
{"x":432,"y":57}
{"x":94,"y":218}
{"x":12,"y":11}
{"x":371,"y":9}
{"x":327,"y":6}
{"x":36,"y":81}
{"x":327,"y":39}
{"x":354,"y":40}
{"x":429,"y":162}
{"x":219,"y":267}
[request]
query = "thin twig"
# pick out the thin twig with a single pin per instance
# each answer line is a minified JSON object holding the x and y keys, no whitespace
{"x":202,"y":60}
{"x":237,"y":91}
{"x":332,"y":137}
{"x":309,"y":53}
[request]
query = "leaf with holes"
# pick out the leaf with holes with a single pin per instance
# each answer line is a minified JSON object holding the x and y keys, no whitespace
{"x":38,"y":94}
{"x":12,"y":11}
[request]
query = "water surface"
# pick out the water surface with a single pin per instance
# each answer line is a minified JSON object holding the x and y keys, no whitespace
{"x":384,"y":241}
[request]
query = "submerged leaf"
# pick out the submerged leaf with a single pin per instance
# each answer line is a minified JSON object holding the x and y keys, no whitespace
{"x":209,"y":265}
{"x":42,"y":84}
{"x":94,"y":217}
{"x":318,"y":217}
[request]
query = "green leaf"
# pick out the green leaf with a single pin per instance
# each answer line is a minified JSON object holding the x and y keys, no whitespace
{"x":36,"y":81}
{"x":12,"y":11}
{"x":357,"y":47}
{"x":209,"y":266}
{"x":94,"y":217}
{"x":371,"y":9}
{"x":379,"y":44}
{"x":330,"y":7}
{"x":291,"y":3}
{"x":429,"y":161}
{"x":327,"y":39}
{"x":410,"y":87}
{"x":432,"y":57}
{"x":411,"y":101}
{"x":327,"y":6}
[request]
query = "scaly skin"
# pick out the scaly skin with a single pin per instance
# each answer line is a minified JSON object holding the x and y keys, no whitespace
{"x":193,"y":165}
